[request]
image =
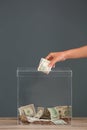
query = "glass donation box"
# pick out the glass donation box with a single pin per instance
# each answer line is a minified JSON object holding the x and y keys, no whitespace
{"x":44,"y":98}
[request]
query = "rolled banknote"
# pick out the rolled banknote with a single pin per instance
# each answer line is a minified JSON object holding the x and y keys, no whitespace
{"x":43,"y":66}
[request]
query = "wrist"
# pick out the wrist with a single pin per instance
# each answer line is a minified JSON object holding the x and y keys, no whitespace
{"x":67,"y":54}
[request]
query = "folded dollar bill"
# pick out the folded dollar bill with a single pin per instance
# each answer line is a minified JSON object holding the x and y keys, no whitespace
{"x":43,"y":66}
{"x":40,"y":111}
{"x":64,"y":111}
{"x":54,"y":113}
{"x":28,"y":110}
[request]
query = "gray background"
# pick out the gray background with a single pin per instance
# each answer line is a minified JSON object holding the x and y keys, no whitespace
{"x":29,"y":30}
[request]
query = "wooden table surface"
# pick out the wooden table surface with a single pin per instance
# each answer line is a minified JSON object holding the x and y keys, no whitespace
{"x":11,"y":124}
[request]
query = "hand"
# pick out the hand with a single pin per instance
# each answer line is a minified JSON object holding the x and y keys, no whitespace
{"x":55,"y":57}
{"x":68,"y":54}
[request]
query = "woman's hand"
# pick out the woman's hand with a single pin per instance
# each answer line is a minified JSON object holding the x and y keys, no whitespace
{"x":54,"y":57}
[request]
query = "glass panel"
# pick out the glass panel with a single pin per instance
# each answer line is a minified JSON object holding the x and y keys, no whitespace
{"x":42,"y":98}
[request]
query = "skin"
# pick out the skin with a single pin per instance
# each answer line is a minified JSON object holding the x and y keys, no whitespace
{"x":55,"y":57}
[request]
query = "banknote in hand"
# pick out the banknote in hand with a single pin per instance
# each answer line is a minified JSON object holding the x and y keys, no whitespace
{"x":43,"y":66}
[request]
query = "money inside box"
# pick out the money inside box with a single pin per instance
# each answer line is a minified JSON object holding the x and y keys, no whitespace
{"x":44,"y":98}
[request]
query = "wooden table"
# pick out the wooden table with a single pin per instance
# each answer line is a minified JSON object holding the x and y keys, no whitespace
{"x":11,"y":124}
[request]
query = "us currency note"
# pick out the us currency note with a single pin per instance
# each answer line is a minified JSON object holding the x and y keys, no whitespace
{"x":43,"y":66}
{"x":40,"y":111}
{"x":54,"y":113}
{"x":65,"y":111}
{"x":28,"y":110}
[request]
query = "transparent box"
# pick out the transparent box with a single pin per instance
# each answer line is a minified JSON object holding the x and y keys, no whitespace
{"x":44,"y":98}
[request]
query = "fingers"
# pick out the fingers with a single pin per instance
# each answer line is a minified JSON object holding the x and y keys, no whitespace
{"x":52,"y":60}
{"x":52,"y":63}
{"x":50,"y":56}
{"x":55,"y":57}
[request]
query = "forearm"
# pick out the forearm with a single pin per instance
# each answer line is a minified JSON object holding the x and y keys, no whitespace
{"x":76,"y":53}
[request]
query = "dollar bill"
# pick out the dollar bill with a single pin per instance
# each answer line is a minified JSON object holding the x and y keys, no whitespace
{"x":54,"y":113}
{"x":28,"y":110}
{"x":43,"y":66}
{"x":64,"y":111}
{"x":40,"y":111}
{"x":59,"y":122}
{"x":46,"y":115}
